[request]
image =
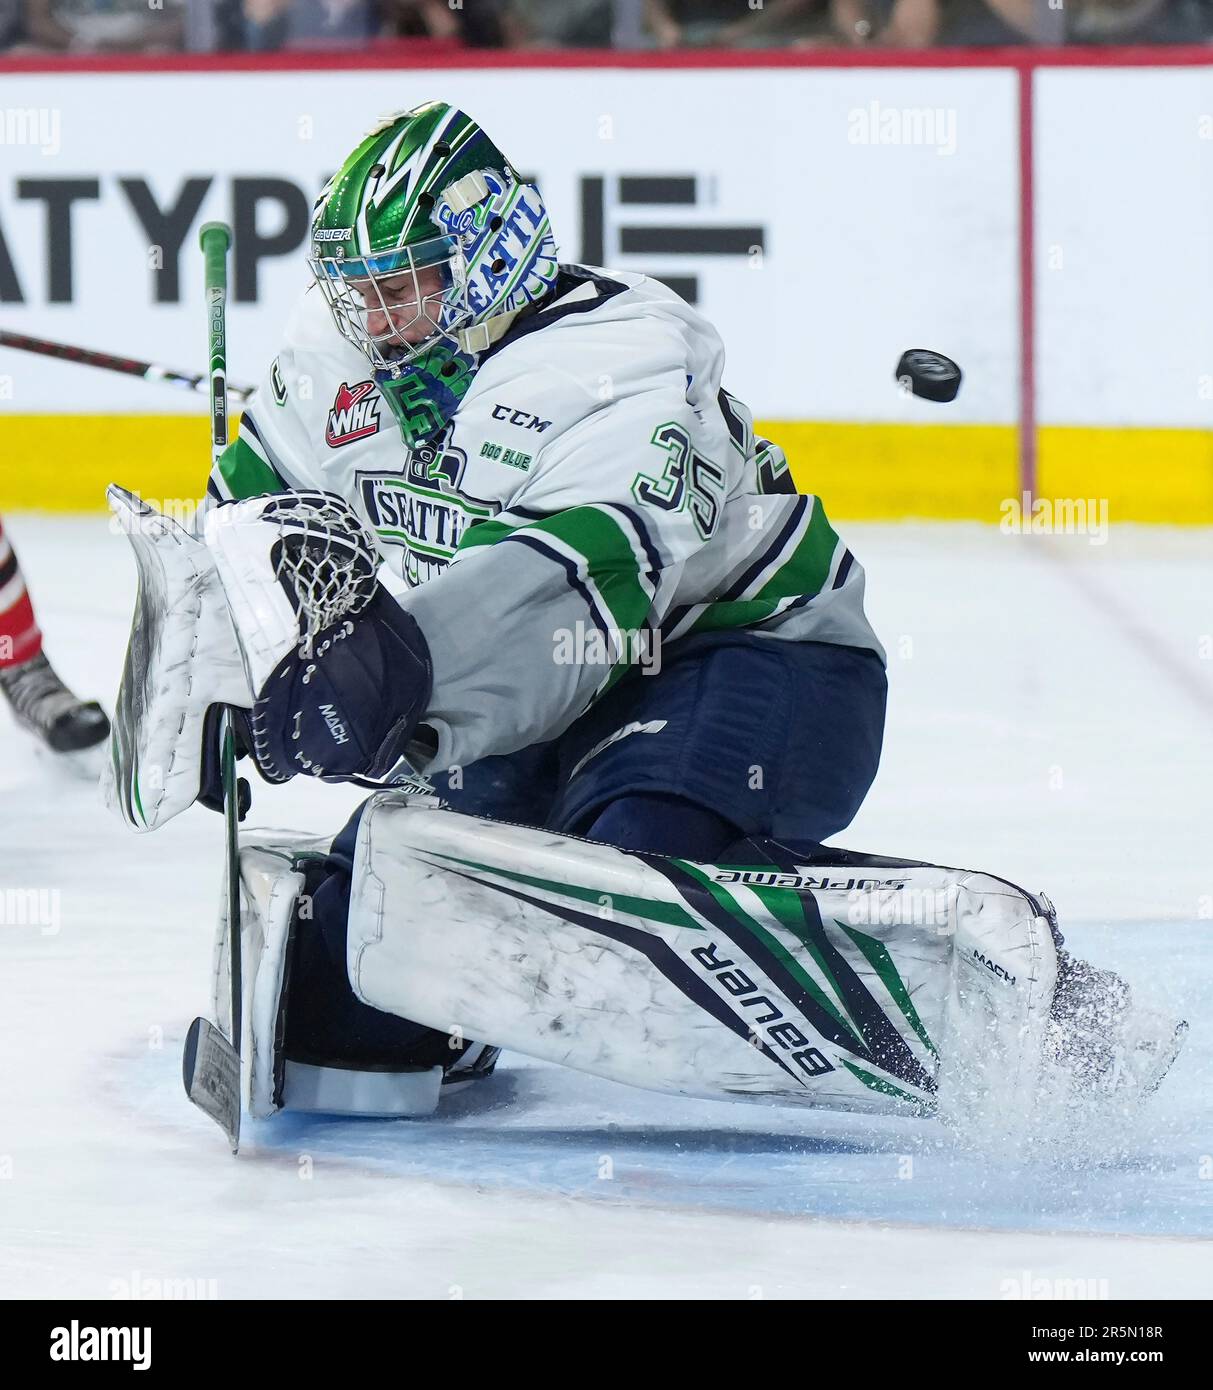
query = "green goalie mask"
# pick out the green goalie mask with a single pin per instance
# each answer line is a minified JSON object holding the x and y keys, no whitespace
{"x":427,"y":238}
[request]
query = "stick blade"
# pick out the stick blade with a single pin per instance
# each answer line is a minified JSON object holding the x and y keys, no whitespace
{"x":210,"y":1069}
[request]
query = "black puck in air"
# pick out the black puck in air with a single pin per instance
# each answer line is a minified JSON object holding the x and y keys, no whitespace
{"x":928,"y":374}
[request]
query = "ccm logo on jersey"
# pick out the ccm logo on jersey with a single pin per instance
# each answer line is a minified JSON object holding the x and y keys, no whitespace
{"x":522,"y":418}
{"x":355,"y":415}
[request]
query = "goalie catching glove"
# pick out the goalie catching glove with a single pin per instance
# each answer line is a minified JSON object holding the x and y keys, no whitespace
{"x":349,"y":707}
{"x":277,"y":614}
{"x":341,"y":672}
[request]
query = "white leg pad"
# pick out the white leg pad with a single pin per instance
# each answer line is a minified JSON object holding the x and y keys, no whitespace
{"x":805,"y":987}
{"x":269,"y":888}
{"x":1000,"y":989}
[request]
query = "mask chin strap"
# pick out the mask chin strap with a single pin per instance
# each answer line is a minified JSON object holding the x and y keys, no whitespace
{"x":481,"y":336}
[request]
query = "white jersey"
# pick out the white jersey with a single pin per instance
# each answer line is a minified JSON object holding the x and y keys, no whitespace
{"x":596,"y":493}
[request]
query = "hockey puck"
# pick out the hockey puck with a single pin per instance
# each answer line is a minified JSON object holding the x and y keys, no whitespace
{"x":928,"y":374}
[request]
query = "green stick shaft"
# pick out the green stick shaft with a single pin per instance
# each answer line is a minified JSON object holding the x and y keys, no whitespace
{"x":215,"y":238}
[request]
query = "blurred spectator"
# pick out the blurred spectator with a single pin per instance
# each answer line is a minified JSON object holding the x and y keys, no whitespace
{"x":794,"y":23}
{"x":213,"y":24}
{"x":91,"y":26}
{"x":886,"y":23}
{"x":719,"y":23}
{"x":39,"y":26}
{"x":992,"y":23}
{"x":121,"y":26}
{"x":477,"y":23}
{"x":28,"y":26}
{"x":1114,"y":21}
{"x":923,"y":23}
{"x":1078,"y":21}
{"x":271,"y":24}
{"x":557,"y":23}
{"x":673,"y":23}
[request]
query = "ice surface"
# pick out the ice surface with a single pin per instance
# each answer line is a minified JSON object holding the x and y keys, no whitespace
{"x":1050,"y":720}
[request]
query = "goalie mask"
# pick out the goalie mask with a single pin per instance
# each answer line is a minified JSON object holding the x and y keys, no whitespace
{"x":425,"y":245}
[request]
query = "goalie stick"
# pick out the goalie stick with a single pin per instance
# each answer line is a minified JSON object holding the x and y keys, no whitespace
{"x":211,"y":1065}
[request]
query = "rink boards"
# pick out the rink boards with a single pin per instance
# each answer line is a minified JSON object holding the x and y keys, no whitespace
{"x":824,"y":218}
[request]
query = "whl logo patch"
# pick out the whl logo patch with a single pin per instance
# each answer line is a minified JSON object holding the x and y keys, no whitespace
{"x":355,"y":415}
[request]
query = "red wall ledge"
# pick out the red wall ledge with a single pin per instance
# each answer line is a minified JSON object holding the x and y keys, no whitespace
{"x":422,"y":53}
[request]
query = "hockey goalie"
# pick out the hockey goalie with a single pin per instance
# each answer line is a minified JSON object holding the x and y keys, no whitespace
{"x":495,"y":542}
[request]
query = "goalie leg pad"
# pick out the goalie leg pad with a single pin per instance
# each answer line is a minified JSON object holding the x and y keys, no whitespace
{"x":818,"y":977}
{"x":383,"y":1077}
{"x":817,"y":985}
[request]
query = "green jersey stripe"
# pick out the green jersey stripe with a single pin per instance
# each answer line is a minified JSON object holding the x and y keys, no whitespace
{"x":599,"y":546}
{"x":801,"y":576}
{"x":244,"y":472}
{"x":806,"y":570}
{"x":484,"y":533}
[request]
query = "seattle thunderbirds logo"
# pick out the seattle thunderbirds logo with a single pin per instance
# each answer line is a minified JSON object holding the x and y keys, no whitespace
{"x":421,"y":508}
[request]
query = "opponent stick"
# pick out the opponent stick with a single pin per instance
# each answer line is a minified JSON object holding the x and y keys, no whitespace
{"x":128,"y":366}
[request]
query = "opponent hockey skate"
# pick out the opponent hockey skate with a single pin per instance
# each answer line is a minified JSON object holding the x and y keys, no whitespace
{"x":61,"y":722}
